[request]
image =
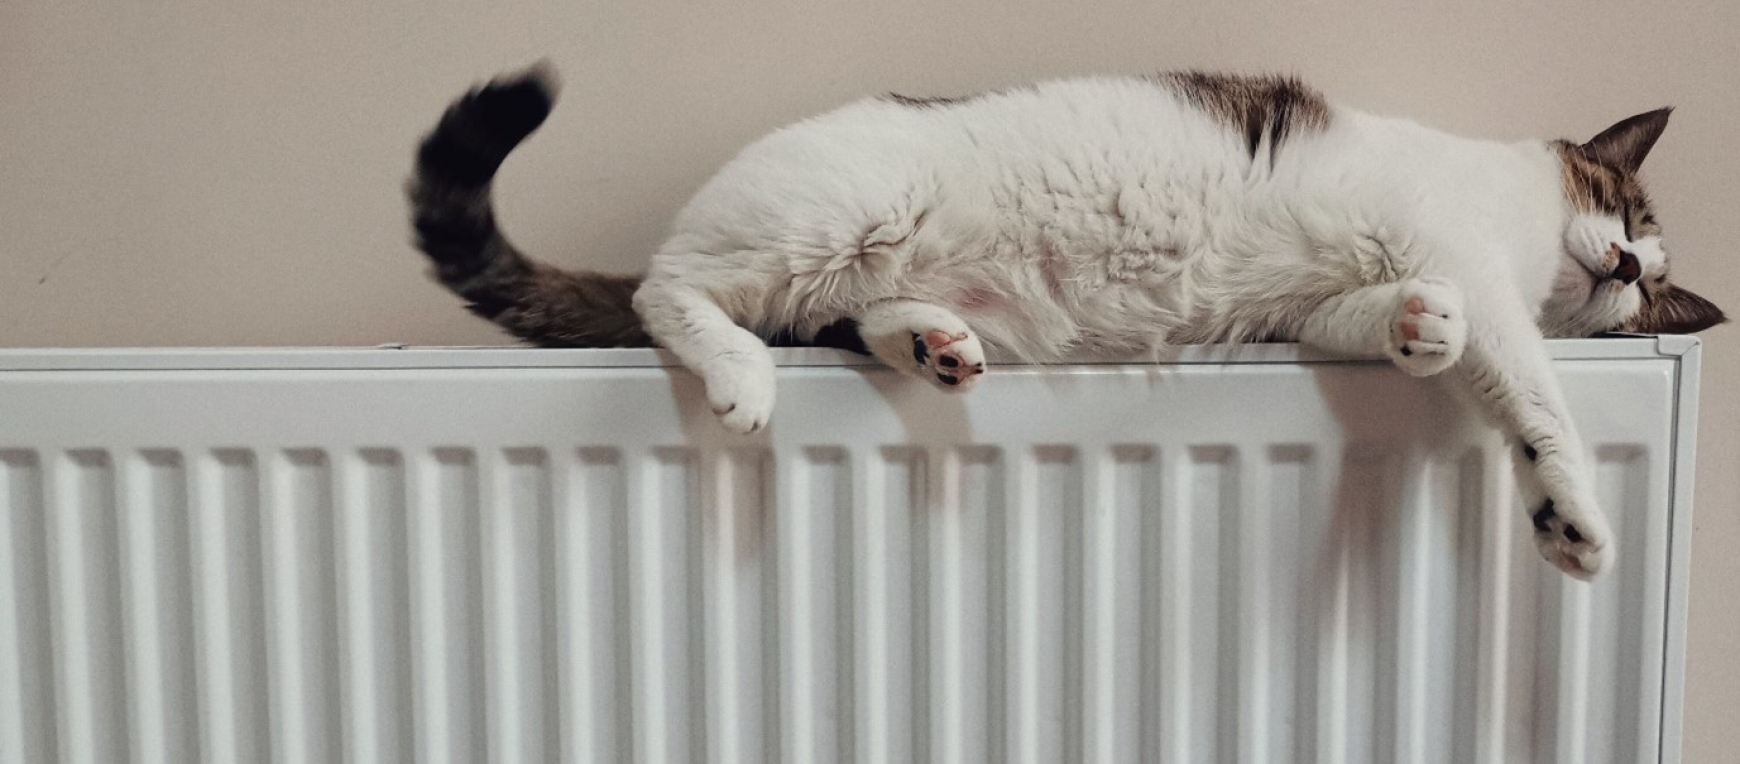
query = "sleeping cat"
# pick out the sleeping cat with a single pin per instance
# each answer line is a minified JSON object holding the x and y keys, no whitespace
{"x":1111,"y":215}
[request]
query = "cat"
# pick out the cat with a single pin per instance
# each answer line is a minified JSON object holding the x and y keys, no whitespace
{"x":1108,"y":215}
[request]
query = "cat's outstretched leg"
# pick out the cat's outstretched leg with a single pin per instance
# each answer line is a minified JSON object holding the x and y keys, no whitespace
{"x":1424,"y":327}
{"x":1418,"y":323}
{"x":923,"y":340}
{"x":734,"y":363}
{"x":1506,"y":363}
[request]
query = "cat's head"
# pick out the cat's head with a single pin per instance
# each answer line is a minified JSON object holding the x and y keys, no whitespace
{"x":1614,"y":273}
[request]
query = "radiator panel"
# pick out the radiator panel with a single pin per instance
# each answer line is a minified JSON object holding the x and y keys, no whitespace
{"x":1253,"y":561}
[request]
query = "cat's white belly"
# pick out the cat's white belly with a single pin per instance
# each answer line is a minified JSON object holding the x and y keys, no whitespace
{"x":1043,"y":299}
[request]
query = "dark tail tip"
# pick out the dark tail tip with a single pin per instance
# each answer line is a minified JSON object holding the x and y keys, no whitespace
{"x":482,"y":127}
{"x":510,"y":107}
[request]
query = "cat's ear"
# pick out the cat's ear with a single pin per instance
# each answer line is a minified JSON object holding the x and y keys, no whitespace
{"x":1672,"y":310}
{"x":1625,"y":144}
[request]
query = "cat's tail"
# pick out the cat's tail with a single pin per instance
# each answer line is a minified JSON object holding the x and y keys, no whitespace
{"x":455,"y":225}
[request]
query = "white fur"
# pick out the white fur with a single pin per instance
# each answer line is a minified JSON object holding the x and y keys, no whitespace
{"x":1110,"y":215}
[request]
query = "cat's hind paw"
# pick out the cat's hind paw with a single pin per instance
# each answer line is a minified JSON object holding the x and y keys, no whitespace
{"x":952,"y":361}
{"x":923,"y":340}
{"x":1578,"y":546}
{"x":1428,"y":332}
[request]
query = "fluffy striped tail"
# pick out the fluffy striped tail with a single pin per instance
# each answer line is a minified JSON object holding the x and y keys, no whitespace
{"x":455,"y":224}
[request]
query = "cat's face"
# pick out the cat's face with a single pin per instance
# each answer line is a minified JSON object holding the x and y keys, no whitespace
{"x":1614,"y":271}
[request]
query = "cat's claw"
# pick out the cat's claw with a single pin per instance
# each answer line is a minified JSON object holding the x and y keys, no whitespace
{"x":740,"y":391}
{"x":1429,"y":332}
{"x":952,"y":361}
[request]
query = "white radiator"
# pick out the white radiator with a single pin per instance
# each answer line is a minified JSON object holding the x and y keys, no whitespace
{"x":1238,"y":555}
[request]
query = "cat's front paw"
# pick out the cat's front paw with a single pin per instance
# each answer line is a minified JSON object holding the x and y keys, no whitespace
{"x":952,"y":361}
{"x":1428,"y":332}
{"x":1576,"y":541}
{"x":740,"y":390}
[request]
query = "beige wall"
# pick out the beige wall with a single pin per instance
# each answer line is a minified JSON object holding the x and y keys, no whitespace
{"x":213,"y":172}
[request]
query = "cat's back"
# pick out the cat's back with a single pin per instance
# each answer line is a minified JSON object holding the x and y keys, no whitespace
{"x":1180,"y":114}
{"x":1067,"y":138}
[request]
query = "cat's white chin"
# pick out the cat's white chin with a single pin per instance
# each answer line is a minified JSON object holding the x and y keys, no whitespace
{"x":1584,"y":302}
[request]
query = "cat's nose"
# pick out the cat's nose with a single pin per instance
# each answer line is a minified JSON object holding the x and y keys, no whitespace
{"x":1628,"y":270}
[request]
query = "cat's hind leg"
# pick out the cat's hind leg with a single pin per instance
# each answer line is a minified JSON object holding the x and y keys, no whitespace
{"x":1417,"y":323}
{"x":923,"y":340}
{"x":734,"y":364}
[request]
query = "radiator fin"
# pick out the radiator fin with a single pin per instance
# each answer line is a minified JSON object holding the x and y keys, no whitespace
{"x":888,"y":631}
{"x":301,"y":594}
{"x":28,"y":701}
{"x":1610,"y":672}
{"x":665,"y":574}
{"x":1120,"y":484}
{"x":963,"y":641}
{"x":158,"y":614}
{"x":229,"y":611}
{"x":1271,"y":525}
{"x":592,"y":605}
{"x":1042,"y":628}
{"x":446,"y":607}
{"x":814,"y":543}
{"x":371,"y":584}
{"x":85,"y":578}
{"x":738,"y":570}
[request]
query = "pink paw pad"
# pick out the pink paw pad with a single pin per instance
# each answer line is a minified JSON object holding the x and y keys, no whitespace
{"x":1409,"y":329}
{"x":937,"y":338}
{"x":1427,"y":333}
{"x":933,"y":349}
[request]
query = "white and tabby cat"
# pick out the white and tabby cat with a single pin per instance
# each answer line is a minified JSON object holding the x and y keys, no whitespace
{"x":1113,"y":215}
